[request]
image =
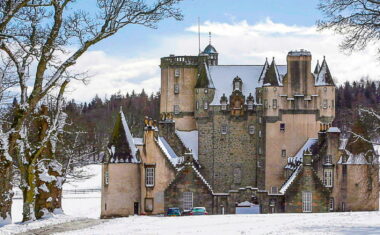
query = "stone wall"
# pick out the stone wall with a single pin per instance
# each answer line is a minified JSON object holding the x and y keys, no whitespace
{"x":188,"y":181}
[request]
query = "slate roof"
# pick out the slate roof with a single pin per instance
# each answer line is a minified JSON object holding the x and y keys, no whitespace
{"x":190,"y":141}
{"x":324,"y":76}
{"x":222,"y":76}
{"x":272,"y":76}
{"x":169,"y":152}
{"x":122,"y":148}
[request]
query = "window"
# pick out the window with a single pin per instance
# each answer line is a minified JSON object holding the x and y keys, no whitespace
{"x":332,"y":104}
{"x":331,"y":204}
{"x":197,"y":105}
{"x":187,"y":200}
{"x":260,"y":119}
{"x":149,"y":177}
{"x":250,"y":105}
{"x":107,"y":178}
{"x":177,"y":73}
{"x":224,"y":105}
{"x":237,"y":175}
{"x":343,"y":206}
{"x":328,"y":177}
{"x":176,"y":88}
{"x":206,"y":91}
{"x":306,"y":202}
{"x":223,"y":129}
{"x":176,"y":109}
{"x":328,"y":159}
{"x":266,"y":103}
{"x":259,"y":100}
{"x":237,"y":85}
{"x":274,"y":104}
{"x":251,"y":129}
{"x":205,"y":105}
{"x":260,"y":150}
{"x":260,"y":134}
{"x":283,"y":153}
{"x":325,"y":104}
{"x":274,"y":190}
{"x":282,"y":126}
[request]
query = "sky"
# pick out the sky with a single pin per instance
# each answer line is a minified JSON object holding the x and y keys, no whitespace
{"x":243,"y":32}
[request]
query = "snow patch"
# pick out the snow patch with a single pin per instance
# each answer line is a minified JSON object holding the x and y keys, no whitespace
{"x":190,"y":140}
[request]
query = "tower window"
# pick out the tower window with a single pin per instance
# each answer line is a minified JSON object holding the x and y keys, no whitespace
{"x":282,"y":127}
{"x":266,"y":103}
{"x":251,"y":129}
{"x":197,"y":105}
{"x":107,"y":178}
{"x":205,"y":105}
{"x":176,"y":88}
{"x":328,"y":159}
{"x":260,"y":134}
{"x":224,"y":106}
{"x":328,"y":177}
{"x":250,"y":105}
{"x":223,"y":129}
{"x":331,"y":204}
{"x":274,"y":106}
{"x":176,"y":109}
{"x":307,"y":198}
{"x":283,"y":153}
{"x":325,"y":103}
{"x":177,"y":73}
{"x":149,"y":177}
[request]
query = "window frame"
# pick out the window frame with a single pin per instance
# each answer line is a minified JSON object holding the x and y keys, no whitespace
{"x":224,"y":129}
{"x":328,"y":180}
{"x":177,"y":72}
{"x":176,"y":88}
{"x":282,"y":127}
{"x":106,"y":178}
{"x":150,"y":176}
{"x":325,"y":104}
{"x":331,"y":204}
{"x":274,"y":104}
{"x":251,"y":129}
{"x":205,"y":105}
{"x":283,"y":153}
{"x":176,"y":109}
{"x":187,"y":200}
{"x":307,"y":202}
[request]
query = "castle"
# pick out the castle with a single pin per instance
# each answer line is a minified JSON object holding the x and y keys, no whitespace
{"x":240,"y":139}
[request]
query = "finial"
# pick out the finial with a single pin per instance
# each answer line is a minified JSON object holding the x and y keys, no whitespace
{"x":209,"y":35}
{"x":266,"y":59}
{"x":324,"y":57}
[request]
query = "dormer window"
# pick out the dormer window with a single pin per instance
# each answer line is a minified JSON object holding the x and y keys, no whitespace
{"x":250,"y":102}
{"x":223,"y":102}
{"x":238,"y":84}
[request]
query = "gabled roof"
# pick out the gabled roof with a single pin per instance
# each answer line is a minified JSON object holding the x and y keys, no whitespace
{"x":272,"y":77}
{"x":121,"y":147}
{"x":324,"y":76}
{"x":169,"y":152}
{"x":190,"y":141}
{"x":297,"y":159}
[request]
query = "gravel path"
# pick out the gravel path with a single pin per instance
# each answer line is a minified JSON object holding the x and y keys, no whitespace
{"x":64,"y":227}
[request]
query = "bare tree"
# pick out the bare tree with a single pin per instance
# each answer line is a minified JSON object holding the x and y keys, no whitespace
{"x":357,"y":20}
{"x":35,"y":36}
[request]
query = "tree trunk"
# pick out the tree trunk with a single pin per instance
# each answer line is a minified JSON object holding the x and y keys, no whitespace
{"x":29,"y":193}
{"x":6,"y":192}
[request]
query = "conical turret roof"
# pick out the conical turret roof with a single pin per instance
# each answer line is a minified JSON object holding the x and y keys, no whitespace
{"x":272,"y":76}
{"x":324,"y":76}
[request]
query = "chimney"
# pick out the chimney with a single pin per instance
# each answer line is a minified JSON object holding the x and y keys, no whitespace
{"x":299,"y":72}
{"x":307,"y":158}
{"x":333,"y":136}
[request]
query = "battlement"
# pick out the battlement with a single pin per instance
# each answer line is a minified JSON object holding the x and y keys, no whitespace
{"x":173,"y":60}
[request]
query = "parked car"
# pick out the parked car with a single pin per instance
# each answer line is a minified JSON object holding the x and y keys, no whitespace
{"x":186,"y":212}
{"x":174,"y":211}
{"x":198,"y":211}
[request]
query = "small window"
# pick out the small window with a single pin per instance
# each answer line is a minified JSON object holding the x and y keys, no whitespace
{"x":325,"y":104}
{"x":187,"y":200}
{"x":197,"y":105}
{"x":237,"y":175}
{"x":274,"y":104}
{"x":205,"y":105}
{"x":176,"y":88}
{"x":260,"y":120}
{"x":251,"y":129}
{"x":266,"y":103}
{"x":332,"y":104}
{"x":282,"y":126}
{"x":259,"y":100}
{"x":331,"y":204}
{"x":328,"y":159}
{"x":176,"y":109}
{"x":283,"y":153}
{"x":259,"y":133}
{"x":307,"y":198}
{"x":223,"y":129}
{"x":274,"y":190}
{"x":107,"y":178}
{"x":224,"y":106}
{"x":149,"y":177}
{"x":260,"y":150}
{"x":206,"y":91}
{"x":177,"y":73}
{"x":328,"y":177}
{"x":250,"y":105}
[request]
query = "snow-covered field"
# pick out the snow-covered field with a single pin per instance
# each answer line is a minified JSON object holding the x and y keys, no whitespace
{"x":327,"y":223}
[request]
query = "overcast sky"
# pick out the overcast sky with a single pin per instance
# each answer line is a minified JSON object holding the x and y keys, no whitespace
{"x":243,"y":32}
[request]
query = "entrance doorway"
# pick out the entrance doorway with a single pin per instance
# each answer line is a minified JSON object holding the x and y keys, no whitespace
{"x":136,"y":208}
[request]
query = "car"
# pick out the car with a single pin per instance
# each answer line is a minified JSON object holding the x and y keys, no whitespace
{"x":174,"y":211}
{"x":186,"y":212}
{"x":198,"y":211}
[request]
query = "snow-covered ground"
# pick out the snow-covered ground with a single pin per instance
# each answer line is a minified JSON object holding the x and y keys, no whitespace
{"x":327,"y":223}
{"x":75,"y":203}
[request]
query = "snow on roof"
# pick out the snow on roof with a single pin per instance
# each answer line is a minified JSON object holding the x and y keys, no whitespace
{"x":324,"y":76}
{"x":138,"y":141}
{"x":190,"y":140}
{"x":245,"y":204}
{"x":299,"y":155}
{"x":358,"y":159}
{"x":223,"y":75}
{"x":168,"y":151}
{"x":128,"y":134}
{"x":202,"y":178}
{"x":376,"y":147}
{"x":301,"y":52}
{"x":286,"y":185}
{"x":333,"y":130}
{"x":343,"y":144}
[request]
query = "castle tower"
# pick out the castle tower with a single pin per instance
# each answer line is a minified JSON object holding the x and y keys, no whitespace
{"x":294,"y":107}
